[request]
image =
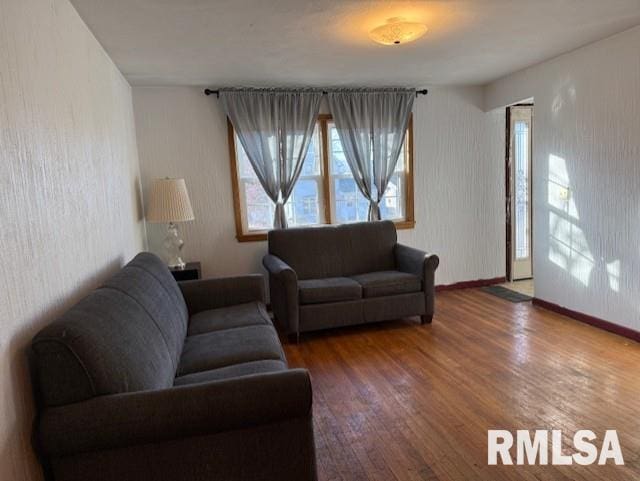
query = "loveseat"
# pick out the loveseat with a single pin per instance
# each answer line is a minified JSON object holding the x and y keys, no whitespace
{"x":329,"y":276}
{"x":148,"y":379}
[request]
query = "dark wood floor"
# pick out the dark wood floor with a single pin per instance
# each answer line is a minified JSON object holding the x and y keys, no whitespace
{"x":400,"y":401}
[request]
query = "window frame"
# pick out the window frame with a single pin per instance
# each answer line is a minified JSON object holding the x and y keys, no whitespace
{"x":325,"y":194}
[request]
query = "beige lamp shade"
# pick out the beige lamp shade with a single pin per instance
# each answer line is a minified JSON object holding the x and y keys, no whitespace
{"x":169,"y":202}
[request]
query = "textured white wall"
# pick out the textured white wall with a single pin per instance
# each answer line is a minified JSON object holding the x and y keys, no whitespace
{"x":182,"y":133}
{"x":69,"y":199}
{"x":459,"y":185}
{"x":586,"y":140}
{"x":459,"y":179}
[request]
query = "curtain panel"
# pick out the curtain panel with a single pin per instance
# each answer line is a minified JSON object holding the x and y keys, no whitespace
{"x":371,"y":125}
{"x":275,"y":128}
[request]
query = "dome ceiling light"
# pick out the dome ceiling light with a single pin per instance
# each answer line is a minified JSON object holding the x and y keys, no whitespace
{"x":397,"y":31}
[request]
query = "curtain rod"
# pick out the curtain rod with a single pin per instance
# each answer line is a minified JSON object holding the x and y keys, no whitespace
{"x":324,"y":92}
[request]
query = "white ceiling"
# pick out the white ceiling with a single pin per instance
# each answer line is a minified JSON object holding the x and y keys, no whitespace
{"x":325,"y":42}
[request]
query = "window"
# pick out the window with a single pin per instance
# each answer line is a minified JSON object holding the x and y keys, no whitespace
{"x":304,"y":207}
{"x":325,"y":192}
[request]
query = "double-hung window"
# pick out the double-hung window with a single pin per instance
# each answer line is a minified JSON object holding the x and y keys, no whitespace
{"x":325,"y":192}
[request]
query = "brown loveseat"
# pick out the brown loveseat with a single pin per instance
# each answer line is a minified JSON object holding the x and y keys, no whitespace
{"x":329,"y":276}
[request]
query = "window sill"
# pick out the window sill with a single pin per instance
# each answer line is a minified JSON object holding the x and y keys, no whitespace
{"x":262,"y":236}
{"x":405,"y":224}
{"x":253,"y":237}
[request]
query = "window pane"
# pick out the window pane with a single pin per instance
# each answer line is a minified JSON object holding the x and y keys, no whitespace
{"x":244,"y":166}
{"x":258,"y":206}
{"x":349,"y":204}
{"x":393,"y":201}
{"x":312,"y":160}
{"x":339,"y":164}
{"x":302,"y":206}
{"x":400,"y":165}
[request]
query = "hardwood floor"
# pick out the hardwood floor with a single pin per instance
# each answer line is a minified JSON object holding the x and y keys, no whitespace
{"x":401,"y":401}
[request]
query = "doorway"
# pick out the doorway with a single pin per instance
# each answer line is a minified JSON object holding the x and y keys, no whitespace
{"x":519,"y":149}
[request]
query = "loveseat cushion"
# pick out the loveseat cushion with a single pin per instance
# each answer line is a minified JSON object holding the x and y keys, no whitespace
{"x":330,"y":289}
{"x":371,"y":247}
{"x":241,"y":315}
{"x":387,"y":283}
{"x":235,"y":370}
{"x":212,"y":350}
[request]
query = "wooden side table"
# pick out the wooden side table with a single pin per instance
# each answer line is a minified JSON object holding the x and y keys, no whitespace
{"x":191,"y":271}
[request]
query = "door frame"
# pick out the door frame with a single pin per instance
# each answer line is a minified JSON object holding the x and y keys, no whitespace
{"x":508,"y":175}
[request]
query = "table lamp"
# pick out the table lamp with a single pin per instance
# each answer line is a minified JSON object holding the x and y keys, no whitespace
{"x":169,"y":203}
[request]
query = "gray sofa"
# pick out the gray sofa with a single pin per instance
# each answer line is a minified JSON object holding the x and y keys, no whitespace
{"x":148,"y":379}
{"x":329,"y":276}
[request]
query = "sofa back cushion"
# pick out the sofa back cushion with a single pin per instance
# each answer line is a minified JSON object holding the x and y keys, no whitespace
{"x":125,"y":336}
{"x":148,"y":281}
{"x":336,"y":250}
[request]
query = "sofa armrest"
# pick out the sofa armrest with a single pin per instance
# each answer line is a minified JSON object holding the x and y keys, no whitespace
{"x":283,"y":290}
{"x":121,"y":420}
{"x":201,"y":295}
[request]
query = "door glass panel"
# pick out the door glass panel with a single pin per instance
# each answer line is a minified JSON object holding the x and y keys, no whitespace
{"x":521,"y":151}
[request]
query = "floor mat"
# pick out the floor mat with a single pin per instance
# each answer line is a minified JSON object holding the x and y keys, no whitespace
{"x":507,"y":294}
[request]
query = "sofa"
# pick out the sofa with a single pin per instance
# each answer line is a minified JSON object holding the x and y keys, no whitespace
{"x":338,"y":275}
{"x":146,"y":378}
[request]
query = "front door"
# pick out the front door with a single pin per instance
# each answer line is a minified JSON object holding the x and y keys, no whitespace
{"x":521,"y":130}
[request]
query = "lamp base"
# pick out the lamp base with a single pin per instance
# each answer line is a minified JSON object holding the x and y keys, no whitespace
{"x":180,"y":264}
{"x":173,"y":244}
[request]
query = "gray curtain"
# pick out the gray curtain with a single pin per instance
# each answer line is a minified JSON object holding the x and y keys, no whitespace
{"x":372,"y":125}
{"x":275,"y":128}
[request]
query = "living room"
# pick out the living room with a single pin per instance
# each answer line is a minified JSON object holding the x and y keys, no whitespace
{"x":433,"y":274}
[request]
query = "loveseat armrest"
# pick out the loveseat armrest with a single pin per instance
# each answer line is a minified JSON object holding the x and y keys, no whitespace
{"x":279,"y":268}
{"x":283,"y":290}
{"x":131,"y":419}
{"x":415,"y":261}
{"x":204,"y":294}
{"x":419,"y":263}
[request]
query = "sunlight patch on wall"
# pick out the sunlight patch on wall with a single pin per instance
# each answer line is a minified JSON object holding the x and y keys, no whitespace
{"x":568,"y":246}
{"x":565,"y":90}
{"x":559,"y":190}
{"x":613,"y":271}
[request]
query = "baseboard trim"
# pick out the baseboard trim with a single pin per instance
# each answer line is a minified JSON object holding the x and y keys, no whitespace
{"x":587,"y":319}
{"x":469,"y":284}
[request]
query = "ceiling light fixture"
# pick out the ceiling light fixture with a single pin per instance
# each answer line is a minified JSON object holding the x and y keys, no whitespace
{"x":397,"y":31}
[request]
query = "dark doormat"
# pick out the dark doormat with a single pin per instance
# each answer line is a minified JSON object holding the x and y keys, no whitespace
{"x":508,"y":294}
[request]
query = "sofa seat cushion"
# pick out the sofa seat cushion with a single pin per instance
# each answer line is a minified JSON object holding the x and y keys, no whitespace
{"x":330,"y":289}
{"x":387,"y":283}
{"x":241,"y":315}
{"x":226,"y":347}
{"x":235,"y":370}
